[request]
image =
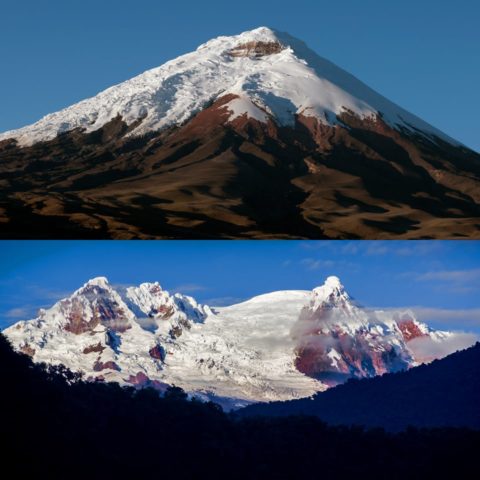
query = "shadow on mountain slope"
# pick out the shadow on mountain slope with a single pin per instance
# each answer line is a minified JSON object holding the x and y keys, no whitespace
{"x":211,"y":178}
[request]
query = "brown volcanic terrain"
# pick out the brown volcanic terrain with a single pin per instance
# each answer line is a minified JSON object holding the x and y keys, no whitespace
{"x":213,"y":179}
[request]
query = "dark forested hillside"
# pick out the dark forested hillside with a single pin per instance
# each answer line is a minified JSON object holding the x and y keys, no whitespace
{"x":443,"y":393}
{"x":54,"y":426}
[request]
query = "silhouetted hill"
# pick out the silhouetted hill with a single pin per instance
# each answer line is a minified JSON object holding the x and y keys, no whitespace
{"x":54,"y":426}
{"x":443,"y":393}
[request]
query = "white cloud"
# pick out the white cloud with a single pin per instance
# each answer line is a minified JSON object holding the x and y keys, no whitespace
{"x":19,"y":313}
{"x":457,"y":276}
{"x":47,"y":294}
{"x":441,"y":318}
{"x":377,"y":248}
{"x":402,"y":249}
{"x":189,"y":288}
{"x":428,"y":348}
{"x":316,"y":245}
{"x":222,"y":301}
{"x":350,"y":248}
{"x":458,"y":318}
{"x":316,"y":264}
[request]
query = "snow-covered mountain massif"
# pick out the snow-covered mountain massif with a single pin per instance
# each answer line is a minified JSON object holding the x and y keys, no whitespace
{"x":251,"y":135}
{"x":278,"y":346}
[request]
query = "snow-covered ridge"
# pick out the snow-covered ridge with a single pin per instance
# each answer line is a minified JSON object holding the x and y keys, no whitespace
{"x":276,"y":346}
{"x":273,"y":75}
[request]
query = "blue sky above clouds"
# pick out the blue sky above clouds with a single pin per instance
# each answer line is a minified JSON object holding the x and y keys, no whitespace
{"x":422,"y":55}
{"x":441,"y":279}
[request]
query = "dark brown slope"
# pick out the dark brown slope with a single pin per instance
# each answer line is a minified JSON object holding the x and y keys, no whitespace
{"x":214,"y":179}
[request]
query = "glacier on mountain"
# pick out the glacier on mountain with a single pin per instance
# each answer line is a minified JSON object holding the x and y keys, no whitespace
{"x":277,"y":346}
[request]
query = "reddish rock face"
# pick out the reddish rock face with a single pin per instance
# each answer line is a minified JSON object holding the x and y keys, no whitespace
{"x":157,"y":352}
{"x":140,"y":380}
{"x":155,"y":289}
{"x":106,"y":311}
{"x":357,"y":358}
{"x":76,"y":322}
{"x":99,"y":366}
{"x":94,"y":348}
{"x":111,"y":315}
{"x":165,"y":311}
{"x":410,"y":329}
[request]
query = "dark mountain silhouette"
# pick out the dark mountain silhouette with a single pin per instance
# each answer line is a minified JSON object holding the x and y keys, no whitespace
{"x":55,"y":426}
{"x":443,"y":393}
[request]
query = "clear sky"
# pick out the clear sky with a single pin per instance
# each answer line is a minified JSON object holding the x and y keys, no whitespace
{"x":422,"y":54}
{"x":441,"y":279}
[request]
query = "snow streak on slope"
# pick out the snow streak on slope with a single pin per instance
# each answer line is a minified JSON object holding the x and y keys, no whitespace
{"x":273,"y":74}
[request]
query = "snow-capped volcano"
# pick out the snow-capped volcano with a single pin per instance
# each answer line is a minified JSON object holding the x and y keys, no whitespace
{"x":268,"y":74}
{"x":277,"y":346}
{"x":249,"y":136}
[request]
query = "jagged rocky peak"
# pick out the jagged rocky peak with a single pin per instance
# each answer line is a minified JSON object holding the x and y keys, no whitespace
{"x":331,"y":286}
{"x":330,"y":309}
{"x":95,"y":303}
{"x":336,"y":339}
{"x":331,"y":294}
{"x":94,"y":285}
{"x":290,"y":80}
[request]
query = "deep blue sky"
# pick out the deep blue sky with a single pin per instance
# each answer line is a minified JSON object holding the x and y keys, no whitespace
{"x":422,"y":54}
{"x":435,"y":275}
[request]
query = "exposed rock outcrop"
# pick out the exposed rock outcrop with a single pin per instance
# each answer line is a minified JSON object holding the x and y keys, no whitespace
{"x":98,"y":348}
{"x":256,"y":49}
{"x":110,"y":365}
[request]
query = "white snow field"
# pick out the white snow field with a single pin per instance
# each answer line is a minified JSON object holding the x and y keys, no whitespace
{"x":280,"y":85}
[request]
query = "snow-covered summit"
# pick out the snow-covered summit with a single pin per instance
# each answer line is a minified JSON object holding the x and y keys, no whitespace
{"x":332,"y":289}
{"x":271,"y":74}
{"x":260,"y":34}
{"x":100,"y":282}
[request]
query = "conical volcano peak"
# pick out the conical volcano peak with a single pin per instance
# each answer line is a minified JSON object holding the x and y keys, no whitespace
{"x":196,"y":136}
{"x":288,"y":80}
